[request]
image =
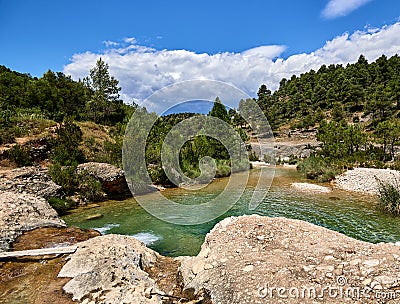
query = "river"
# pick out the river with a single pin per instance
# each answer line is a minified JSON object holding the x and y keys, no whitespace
{"x":353,"y":214}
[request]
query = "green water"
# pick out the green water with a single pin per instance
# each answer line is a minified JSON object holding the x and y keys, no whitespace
{"x":352,"y":214}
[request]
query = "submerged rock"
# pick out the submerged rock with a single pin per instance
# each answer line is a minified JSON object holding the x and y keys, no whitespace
{"x":33,"y":280}
{"x":23,"y":212}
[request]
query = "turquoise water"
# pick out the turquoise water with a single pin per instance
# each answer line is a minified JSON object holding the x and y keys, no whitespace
{"x":352,"y":214}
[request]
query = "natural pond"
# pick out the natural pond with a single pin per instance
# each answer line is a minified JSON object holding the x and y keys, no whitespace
{"x":353,"y":214}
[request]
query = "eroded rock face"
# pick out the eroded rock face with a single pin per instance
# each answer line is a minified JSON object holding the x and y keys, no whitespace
{"x":32,"y":180}
{"x":247,"y":259}
{"x":111,"y":178}
{"x":109,"y":269}
{"x":23,"y":212}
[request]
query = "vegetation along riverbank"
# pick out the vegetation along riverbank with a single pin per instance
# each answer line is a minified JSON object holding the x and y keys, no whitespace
{"x":61,"y":147}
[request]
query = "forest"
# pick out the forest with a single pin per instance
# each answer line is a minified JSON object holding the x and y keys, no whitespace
{"x":354,"y":108}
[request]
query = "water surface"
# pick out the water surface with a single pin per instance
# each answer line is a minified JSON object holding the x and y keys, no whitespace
{"x":353,"y":214}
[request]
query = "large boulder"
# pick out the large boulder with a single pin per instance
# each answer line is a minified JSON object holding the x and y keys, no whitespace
{"x":23,"y":212}
{"x":110,"y":269}
{"x":111,"y":178}
{"x":31,"y":180}
{"x":254,"y":259}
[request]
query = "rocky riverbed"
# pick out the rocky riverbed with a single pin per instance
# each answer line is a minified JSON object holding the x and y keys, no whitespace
{"x":365,"y":180}
{"x":244,"y":259}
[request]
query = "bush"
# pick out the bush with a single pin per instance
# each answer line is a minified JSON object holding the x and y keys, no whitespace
{"x":317,"y":168}
{"x":6,"y":136}
{"x":60,"y":205}
{"x":20,"y":155}
{"x":90,"y":188}
{"x":389,"y":197}
{"x":66,"y":145}
{"x":253,"y":156}
{"x":223,"y":169}
{"x":66,"y":177}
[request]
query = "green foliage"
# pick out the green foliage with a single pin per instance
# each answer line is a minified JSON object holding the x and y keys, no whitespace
{"x":219,"y":110}
{"x":223,"y":168}
{"x":66,"y":145}
{"x":66,"y":177}
{"x":315,"y":167}
{"x":20,"y":156}
{"x":388,"y":134}
{"x":90,"y":188}
{"x":253,"y":156}
{"x":73,"y":182}
{"x":61,"y":205}
{"x":104,"y":105}
{"x":336,"y":90}
{"x":193,"y":149}
{"x":389,"y":197}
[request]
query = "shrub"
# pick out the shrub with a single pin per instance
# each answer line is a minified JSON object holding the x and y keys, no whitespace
{"x":389,"y":197}
{"x":223,"y":169}
{"x":20,"y":155}
{"x":253,"y":156}
{"x":6,"y":136}
{"x":61,"y":205}
{"x":66,"y":145}
{"x":90,"y":188}
{"x":317,"y":168}
{"x":65,"y":176}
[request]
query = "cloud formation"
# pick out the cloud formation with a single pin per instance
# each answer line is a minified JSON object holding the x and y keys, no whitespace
{"x":340,"y":8}
{"x":142,"y":70}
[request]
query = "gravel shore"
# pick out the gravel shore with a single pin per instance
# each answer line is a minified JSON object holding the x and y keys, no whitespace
{"x":365,"y":179}
{"x":307,"y":187}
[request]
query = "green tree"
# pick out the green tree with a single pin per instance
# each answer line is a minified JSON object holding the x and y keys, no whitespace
{"x":219,"y":110}
{"x":388,"y":133}
{"x":104,"y":105}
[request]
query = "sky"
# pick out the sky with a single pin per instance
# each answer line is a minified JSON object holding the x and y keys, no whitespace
{"x":152,"y":44}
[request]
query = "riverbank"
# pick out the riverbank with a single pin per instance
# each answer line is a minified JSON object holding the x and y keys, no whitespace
{"x":242,"y":260}
{"x":365,"y":180}
{"x":231,"y":253}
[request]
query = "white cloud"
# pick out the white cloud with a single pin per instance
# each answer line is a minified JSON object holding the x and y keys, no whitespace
{"x":142,"y":70}
{"x":130,"y":40}
{"x":268,"y":51}
{"x":339,"y":8}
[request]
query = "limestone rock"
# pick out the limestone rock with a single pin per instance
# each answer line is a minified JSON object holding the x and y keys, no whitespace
{"x":252,"y":256}
{"x":110,"y":269}
{"x":23,"y":212}
{"x":111,"y":178}
{"x":32,"y":180}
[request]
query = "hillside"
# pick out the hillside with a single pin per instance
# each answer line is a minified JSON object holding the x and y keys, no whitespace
{"x":354,"y":91}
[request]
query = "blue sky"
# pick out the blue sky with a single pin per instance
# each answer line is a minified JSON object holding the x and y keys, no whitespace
{"x":150,"y":44}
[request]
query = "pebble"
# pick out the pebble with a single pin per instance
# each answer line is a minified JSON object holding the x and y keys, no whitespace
{"x":371,"y":263}
{"x":248,"y":268}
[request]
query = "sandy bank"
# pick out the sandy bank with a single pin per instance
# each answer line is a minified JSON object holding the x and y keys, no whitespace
{"x":307,"y":187}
